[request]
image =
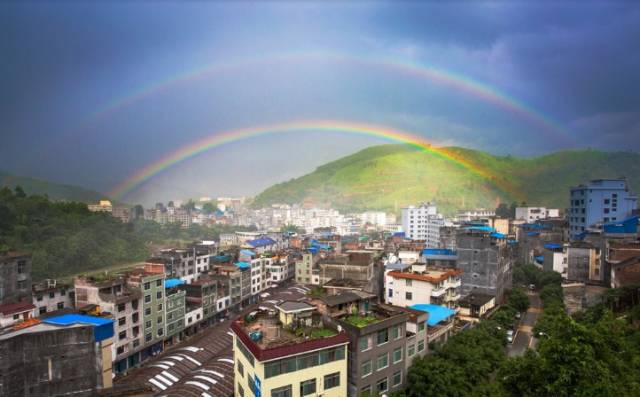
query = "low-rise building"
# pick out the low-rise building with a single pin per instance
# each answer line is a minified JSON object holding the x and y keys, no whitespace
{"x":423,"y":285}
{"x":476,"y":305}
{"x":50,"y":296}
{"x":15,"y":277}
{"x":289,"y":353}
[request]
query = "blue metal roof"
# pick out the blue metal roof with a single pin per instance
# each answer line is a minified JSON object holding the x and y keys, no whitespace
{"x":552,"y":246}
{"x":243,"y":265}
{"x":173,"y":282}
{"x":487,"y":229}
{"x":627,"y":226}
{"x":247,"y":252}
{"x":539,"y":259}
{"x":398,"y":234}
{"x":313,"y":250}
{"x":437,"y":313}
{"x":498,"y":235}
{"x":438,"y":251}
{"x":512,"y":242}
{"x":533,"y":234}
{"x":261,"y":242}
{"x":319,"y":245}
{"x":103,"y":326}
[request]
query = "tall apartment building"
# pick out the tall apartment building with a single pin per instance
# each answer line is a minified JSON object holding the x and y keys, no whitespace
{"x":112,"y":295}
{"x":485,"y":260}
{"x":271,"y":359}
{"x":304,"y":268}
{"x":175,"y":310}
{"x":601,"y":200}
{"x":150,"y":281}
{"x":423,"y":223}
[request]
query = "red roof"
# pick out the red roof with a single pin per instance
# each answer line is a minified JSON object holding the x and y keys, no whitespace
{"x":12,"y":308}
{"x":284,"y":351}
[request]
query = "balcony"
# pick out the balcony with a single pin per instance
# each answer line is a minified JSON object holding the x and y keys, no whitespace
{"x":452,"y":297}
{"x":454,"y":283}
{"x":438,"y":292}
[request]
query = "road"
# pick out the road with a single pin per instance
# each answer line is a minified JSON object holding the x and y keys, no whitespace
{"x":524,"y":334}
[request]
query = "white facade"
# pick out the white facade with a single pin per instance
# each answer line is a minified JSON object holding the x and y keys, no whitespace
{"x":431,"y":286}
{"x":423,"y":223}
{"x":52,"y":299}
{"x":532,"y":214}
{"x":193,"y":317}
{"x":470,"y":215}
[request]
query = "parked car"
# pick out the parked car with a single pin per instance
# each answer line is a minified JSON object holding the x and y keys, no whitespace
{"x":510,"y":335}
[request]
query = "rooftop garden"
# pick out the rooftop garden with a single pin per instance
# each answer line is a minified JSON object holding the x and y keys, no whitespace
{"x":316,"y":292}
{"x":360,"y":321}
{"x":322,"y":333}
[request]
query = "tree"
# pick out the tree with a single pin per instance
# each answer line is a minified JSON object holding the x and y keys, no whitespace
{"x":503,"y":211}
{"x":208,"y":208}
{"x":519,"y":300}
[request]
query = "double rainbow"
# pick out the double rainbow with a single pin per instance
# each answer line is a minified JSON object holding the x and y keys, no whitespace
{"x":221,"y":138}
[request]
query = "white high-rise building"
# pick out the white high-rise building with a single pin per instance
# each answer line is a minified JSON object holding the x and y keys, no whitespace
{"x":423,"y":223}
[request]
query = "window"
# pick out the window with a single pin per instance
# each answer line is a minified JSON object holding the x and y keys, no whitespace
{"x":390,"y":293}
{"x":136,"y":343}
{"x":412,"y":350}
{"x":147,"y":324}
{"x":332,"y":380}
{"x":147,"y":298}
{"x":240,"y":390}
{"x":240,"y":368}
{"x":122,"y":335}
{"x":408,"y":283}
{"x":382,"y":362}
{"x":366,"y":390}
{"x":420,"y":326}
{"x":397,"y":378}
{"x":120,"y":350}
{"x":607,"y":201}
{"x":284,"y":391}
{"x":122,"y":321}
{"x":159,"y":320}
{"x":307,"y":387}
{"x":159,"y":283}
{"x":366,"y":368}
{"x":121,"y":307}
{"x":52,"y":295}
{"x":147,"y":311}
{"x":43,"y":309}
{"x":383,"y":337}
{"x":39,"y":298}
{"x":397,"y":355}
{"x":16,"y":316}
{"x":60,"y":305}
{"x":408,"y":296}
{"x":147,"y":286}
{"x":365,"y":343}
{"x":160,"y":307}
{"x":420,"y":345}
{"x":160,"y":331}
{"x":397,"y":332}
{"x":159,"y":295}
{"x":148,"y":337}
{"x":381,"y":386}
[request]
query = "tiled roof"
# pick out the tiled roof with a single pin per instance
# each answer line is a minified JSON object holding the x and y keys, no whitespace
{"x":13,"y":308}
{"x":442,"y":276}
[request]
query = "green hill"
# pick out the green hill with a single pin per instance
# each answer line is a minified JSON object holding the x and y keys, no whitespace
{"x":55,"y":191}
{"x":388,"y":177}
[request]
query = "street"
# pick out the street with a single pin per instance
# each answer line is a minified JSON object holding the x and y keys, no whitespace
{"x":524,"y":333}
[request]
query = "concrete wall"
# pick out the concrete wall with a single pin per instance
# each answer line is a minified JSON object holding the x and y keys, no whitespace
{"x":15,"y":278}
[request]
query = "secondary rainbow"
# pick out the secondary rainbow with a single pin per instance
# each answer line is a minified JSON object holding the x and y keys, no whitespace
{"x":218,"y":139}
{"x":456,"y":81}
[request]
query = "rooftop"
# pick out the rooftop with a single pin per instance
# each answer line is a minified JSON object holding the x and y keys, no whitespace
{"x":294,"y":306}
{"x":437,"y":313}
{"x":476,"y":299}
{"x":430,"y":275}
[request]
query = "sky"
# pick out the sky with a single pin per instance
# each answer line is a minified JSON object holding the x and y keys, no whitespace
{"x":92,"y":93}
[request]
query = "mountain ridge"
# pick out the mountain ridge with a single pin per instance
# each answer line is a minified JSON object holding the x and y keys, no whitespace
{"x":387,"y":177}
{"x":55,"y":191}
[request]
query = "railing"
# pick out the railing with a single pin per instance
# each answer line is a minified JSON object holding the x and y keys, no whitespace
{"x":438,"y":292}
{"x":454,"y":283}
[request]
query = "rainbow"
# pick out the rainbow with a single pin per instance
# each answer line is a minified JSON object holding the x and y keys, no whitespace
{"x":456,"y":81}
{"x":218,"y":139}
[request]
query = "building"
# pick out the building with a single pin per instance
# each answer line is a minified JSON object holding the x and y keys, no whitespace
{"x":485,"y":259}
{"x":476,"y":305}
{"x":583,"y":261}
{"x":150,"y":282}
{"x":475,"y":214}
{"x":303,"y":268}
{"x":68,"y":355}
{"x":111,"y":296}
{"x":291,"y":352}
{"x":175,"y":310}
{"x":422,"y":285}
{"x":15,"y":277}
{"x":51,"y":296}
{"x":377,"y":350}
{"x":202,"y":293}
{"x":600,"y":201}
{"x":533,"y":214}
{"x":626,"y":273}
{"x":101,"y":206}
{"x":15,"y":313}
{"x":423,"y":223}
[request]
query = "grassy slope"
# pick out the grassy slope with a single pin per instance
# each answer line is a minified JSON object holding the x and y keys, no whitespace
{"x":55,"y":191}
{"x":389,"y":176}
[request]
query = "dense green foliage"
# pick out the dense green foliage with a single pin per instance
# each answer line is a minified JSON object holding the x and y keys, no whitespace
{"x":388,"y":177}
{"x":519,"y":300}
{"x":64,"y":238}
{"x":54,"y":191}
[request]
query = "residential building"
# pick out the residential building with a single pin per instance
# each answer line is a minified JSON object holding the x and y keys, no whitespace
{"x":175,"y":311}
{"x":600,"y":201}
{"x":485,"y":259}
{"x":101,"y":206}
{"x":150,"y":281}
{"x":423,"y":223}
{"x":50,"y":296}
{"x":476,"y":306}
{"x":202,"y":293}
{"x":67,"y":355}
{"x":533,"y":214}
{"x":15,"y":277}
{"x":474,"y":214}
{"x":289,"y":353}
{"x":422,"y":285}
{"x":16,"y":313}
{"x":112,"y":296}
{"x":626,"y":273}
{"x":303,"y":268}
{"x":583,"y":261}
{"x":438,"y":257}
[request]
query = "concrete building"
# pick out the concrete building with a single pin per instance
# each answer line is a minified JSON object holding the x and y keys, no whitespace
{"x":150,"y":281}
{"x":475,"y":214}
{"x":422,"y":285}
{"x":272,"y":359}
{"x":175,"y":310}
{"x":476,"y":306}
{"x":583,"y":261}
{"x":303,"y":268}
{"x":16,"y":313}
{"x":15,"y":277}
{"x":533,"y":214}
{"x":423,"y":223}
{"x":602,"y":200}
{"x":67,"y":355}
{"x":377,"y":350}
{"x":112,"y":296}
{"x":485,"y":260}
{"x":101,"y":206}
{"x":202,"y":293}
{"x":50,"y":296}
